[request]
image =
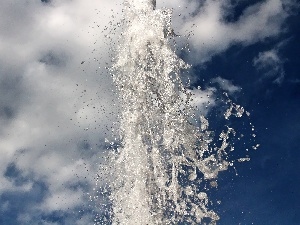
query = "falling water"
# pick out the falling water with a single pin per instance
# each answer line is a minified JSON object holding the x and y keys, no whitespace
{"x":163,"y":154}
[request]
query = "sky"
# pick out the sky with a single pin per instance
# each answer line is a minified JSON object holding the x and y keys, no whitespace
{"x":58,"y":105}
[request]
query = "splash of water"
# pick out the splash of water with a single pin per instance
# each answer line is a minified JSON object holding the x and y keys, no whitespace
{"x":156,"y":169}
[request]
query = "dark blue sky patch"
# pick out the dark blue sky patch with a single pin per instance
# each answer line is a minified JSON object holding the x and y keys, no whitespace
{"x":266,"y":189}
{"x":46,"y":1}
{"x":87,"y":149}
{"x":84,"y":145}
{"x":54,"y":59}
{"x":292,"y":48}
{"x":15,"y":175}
{"x":197,"y":10}
{"x":11,"y":95}
{"x":18,"y":202}
{"x":7,"y":112}
{"x":79,"y":185}
{"x":237,"y":8}
{"x":60,"y":217}
{"x":55,"y":217}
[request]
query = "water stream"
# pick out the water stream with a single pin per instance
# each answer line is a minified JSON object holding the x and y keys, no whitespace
{"x":164,"y":150}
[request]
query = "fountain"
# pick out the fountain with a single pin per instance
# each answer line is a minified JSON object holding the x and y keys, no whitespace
{"x":163,"y":153}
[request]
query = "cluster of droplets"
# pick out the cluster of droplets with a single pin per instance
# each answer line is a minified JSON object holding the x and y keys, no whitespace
{"x":162,"y":157}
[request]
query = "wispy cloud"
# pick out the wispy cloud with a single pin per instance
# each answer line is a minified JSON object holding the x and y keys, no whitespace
{"x":226,"y":85}
{"x":212,"y":33}
{"x":271,"y":65}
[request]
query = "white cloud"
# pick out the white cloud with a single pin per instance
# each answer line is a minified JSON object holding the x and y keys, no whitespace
{"x":62,"y":200}
{"x":203,"y":100}
{"x":45,"y":129}
{"x":271,"y":65}
{"x":212,"y":34}
{"x":226,"y":85}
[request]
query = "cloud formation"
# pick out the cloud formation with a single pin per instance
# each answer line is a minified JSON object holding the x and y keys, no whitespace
{"x":54,"y":111}
{"x":226,"y":85}
{"x":271,"y":65}
{"x":214,"y":26}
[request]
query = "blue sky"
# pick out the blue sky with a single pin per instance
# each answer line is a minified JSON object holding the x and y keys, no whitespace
{"x":57,"y":104}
